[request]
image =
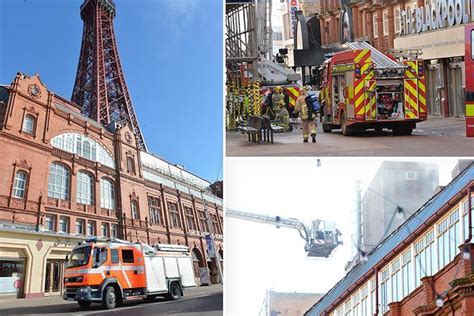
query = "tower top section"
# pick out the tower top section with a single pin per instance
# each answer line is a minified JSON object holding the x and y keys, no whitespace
{"x":100,"y":89}
{"x":108,"y":5}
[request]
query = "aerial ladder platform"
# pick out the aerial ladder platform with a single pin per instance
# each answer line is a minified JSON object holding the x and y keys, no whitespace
{"x":321,"y":237}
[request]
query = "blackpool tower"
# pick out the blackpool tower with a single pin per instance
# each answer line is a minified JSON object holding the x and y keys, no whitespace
{"x":100,"y":87}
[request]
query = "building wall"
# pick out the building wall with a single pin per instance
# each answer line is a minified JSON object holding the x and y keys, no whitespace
{"x":393,"y":184}
{"x":447,"y":276}
{"x":33,"y":154}
{"x":290,"y":304}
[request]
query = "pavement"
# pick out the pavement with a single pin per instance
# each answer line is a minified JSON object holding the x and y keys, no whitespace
{"x":434,"y":137}
{"x":199,"y":301}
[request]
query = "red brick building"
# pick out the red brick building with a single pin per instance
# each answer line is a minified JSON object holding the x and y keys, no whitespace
{"x":425,"y":267}
{"x":65,"y":177}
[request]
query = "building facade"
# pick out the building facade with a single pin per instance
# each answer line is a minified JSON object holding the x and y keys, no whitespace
{"x":66,"y":177}
{"x":425,"y":267}
{"x":410,"y":184}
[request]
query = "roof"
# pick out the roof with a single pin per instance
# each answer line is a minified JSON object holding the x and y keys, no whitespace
{"x":394,"y":239}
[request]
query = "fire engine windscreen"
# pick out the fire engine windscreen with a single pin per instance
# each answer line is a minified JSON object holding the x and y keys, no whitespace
{"x":389,"y":98}
{"x":79,"y":257}
{"x":100,"y":256}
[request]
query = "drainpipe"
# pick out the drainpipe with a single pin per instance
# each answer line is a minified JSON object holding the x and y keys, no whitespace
{"x":469,"y":214}
{"x":376,"y":272}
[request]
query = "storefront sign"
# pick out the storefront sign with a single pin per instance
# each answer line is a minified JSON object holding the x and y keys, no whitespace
{"x":441,"y":14}
{"x":292,"y":10}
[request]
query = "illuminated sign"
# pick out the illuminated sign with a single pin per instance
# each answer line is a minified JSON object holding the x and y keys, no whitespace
{"x":442,"y":13}
{"x":292,"y":9}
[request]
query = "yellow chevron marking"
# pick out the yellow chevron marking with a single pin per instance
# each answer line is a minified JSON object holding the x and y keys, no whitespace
{"x":411,"y":102}
{"x":359,"y":86}
{"x":364,"y":67}
{"x":369,"y":75}
{"x":421,"y":86}
{"x":359,"y":100}
{"x":469,"y":110}
{"x":410,"y":88}
{"x":422,"y":101}
{"x":361,"y":55}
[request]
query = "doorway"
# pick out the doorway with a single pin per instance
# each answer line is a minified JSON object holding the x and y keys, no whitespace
{"x":456,"y":90}
{"x":433,"y":89}
{"x":54,"y":275}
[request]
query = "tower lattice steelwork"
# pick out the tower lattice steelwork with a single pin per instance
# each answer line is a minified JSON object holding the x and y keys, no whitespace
{"x":100,"y":87}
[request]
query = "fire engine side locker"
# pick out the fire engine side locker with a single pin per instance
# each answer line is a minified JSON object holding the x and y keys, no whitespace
{"x":155,"y":274}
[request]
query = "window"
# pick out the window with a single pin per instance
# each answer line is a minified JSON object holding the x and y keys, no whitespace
{"x":364,"y":303}
{"x":465,"y":208}
{"x":134,"y":207}
{"x":424,"y":257}
{"x":372,"y":296}
{"x":58,"y":183}
{"x":215,"y":224}
{"x":385,"y":22}
{"x":397,"y":20}
{"x":356,"y":304}
{"x":91,"y":228}
{"x":114,"y":256}
{"x":100,"y":256}
{"x":79,"y":226}
{"x":155,"y":210}
{"x":49,"y":222}
{"x":29,"y":123}
{"x":127,"y":256}
{"x":85,"y":188}
{"x":107,"y":194}
{"x":411,"y":175}
{"x":104,"y":229}
{"x":130,"y":165}
{"x":188,"y":212}
{"x":64,"y":224}
{"x":385,"y":290}
{"x":19,"y":185}
{"x":174,"y":215}
{"x":347,"y":308}
{"x":364,"y":27}
{"x":203,"y":221}
{"x":448,"y":239}
{"x":374,"y":23}
{"x":114,"y":231}
{"x":407,"y":273}
{"x":396,"y":280}
{"x":85,"y":147}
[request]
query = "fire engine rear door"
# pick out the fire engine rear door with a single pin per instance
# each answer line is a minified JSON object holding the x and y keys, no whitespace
{"x":370,"y":104}
{"x":155,"y":274}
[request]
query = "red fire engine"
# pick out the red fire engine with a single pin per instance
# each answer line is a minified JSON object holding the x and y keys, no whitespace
{"x":469,"y":64}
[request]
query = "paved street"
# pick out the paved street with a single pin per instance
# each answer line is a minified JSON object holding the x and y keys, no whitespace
{"x":195,"y":302}
{"x":434,"y":137}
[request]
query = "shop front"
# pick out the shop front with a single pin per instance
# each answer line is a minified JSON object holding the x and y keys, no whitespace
{"x":32,"y":263}
{"x":443,"y":54}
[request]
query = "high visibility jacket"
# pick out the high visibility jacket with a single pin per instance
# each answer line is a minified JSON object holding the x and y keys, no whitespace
{"x":283,"y":117}
{"x":277,"y":99}
{"x":301,"y":106}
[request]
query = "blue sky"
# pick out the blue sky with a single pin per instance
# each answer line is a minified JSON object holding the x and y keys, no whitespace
{"x":171,"y":55}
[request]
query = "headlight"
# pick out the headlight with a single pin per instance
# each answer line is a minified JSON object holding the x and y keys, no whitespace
{"x":79,"y":278}
{"x":84,"y":289}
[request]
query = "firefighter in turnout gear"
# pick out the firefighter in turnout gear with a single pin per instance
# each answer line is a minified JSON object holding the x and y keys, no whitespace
{"x":283,"y":118}
{"x":307,"y":115}
{"x":278,"y":99}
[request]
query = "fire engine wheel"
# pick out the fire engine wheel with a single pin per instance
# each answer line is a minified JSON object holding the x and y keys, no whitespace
{"x":84,"y":304}
{"x":327,"y":128}
{"x":109,"y":299}
{"x":175,"y":292}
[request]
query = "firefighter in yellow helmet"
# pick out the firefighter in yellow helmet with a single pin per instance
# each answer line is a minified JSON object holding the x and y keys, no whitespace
{"x":307,"y":115}
{"x":278,"y":100}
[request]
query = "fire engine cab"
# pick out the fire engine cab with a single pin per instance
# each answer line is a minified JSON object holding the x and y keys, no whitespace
{"x":361,"y":88}
{"x":112,"y":271}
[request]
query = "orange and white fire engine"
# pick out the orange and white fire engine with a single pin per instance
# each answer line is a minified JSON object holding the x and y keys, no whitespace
{"x":361,"y":88}
{"x":111,"y":271}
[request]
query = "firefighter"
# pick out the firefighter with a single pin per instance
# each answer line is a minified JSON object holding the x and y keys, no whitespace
{"x":307,"y":115}
{"x":283,"y":117}
{"x":278,"y":99}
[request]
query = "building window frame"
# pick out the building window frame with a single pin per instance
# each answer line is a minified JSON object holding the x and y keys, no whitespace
{"x":114,"y":230}
{"x":375,"y":24}
{"x":63,"y":226}
{"x":397,"y":24}
{"x":59,"y":181}
{"x":107,"y":193}
{"x":104,"y":230}
{"x":203,"y":221}
{"x":385,"y":26}
{"x":91,"y":228}
{"x":20,"y":184}
{"x":134,"y":209}
{"x":175,"y":218}
{"x":130,"y":164}
{"x":28,"y":126}
{"x":190,"y":220}
{"x":80,"y":223}
{"x":49,"y":223}
{"x":85,"y":192}
{"x":425,"y":260}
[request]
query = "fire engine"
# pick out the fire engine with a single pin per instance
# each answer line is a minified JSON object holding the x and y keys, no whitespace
{"x":111,"y":271}
{"x":361,"y":88}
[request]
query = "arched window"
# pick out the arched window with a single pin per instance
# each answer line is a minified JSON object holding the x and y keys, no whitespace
{"x":20,"y":184}
{"x":83,"y":146}
{"x":107,"y":194}
{"x":29,"y":123}
{"x":134,"y":209}
{"x":58,"y":183}
{"x":85,"y":188}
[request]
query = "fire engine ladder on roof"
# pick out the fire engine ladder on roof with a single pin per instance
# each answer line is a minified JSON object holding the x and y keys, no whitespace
{"x":380,"y":60}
